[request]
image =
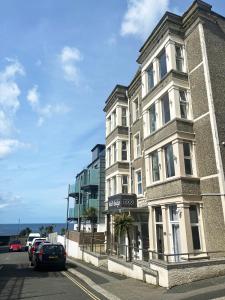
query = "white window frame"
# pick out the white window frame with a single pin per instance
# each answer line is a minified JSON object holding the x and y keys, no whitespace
{"x":136,"y":109}
{"x":151,"y":166}
{"x":184,"y":103}
{"x":199,"y":228}
{"x":181,"y":58}
{"x":124,"y":117}
{"x":138,"y":182}
{"x":137,"y":147}
{"x":124,"y":184}
{"x":122,"y":150}
{"x":188,"y":157}
{"x":114,"y":147}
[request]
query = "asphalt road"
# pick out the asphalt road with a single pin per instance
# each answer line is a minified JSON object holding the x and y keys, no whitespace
{"x":18,"y":280}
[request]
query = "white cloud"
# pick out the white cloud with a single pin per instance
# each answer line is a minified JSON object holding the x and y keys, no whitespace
{"x":33,"y":96}
{"x":7,"y":146}
{"x":9,"y":95}
{"x":46,"y":111}
{"x":9,"y":199}
{"x":68,"y":58}
{"x":141,"y":16}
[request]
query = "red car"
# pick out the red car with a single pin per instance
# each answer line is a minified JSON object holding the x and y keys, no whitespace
{"x":15,"y":246}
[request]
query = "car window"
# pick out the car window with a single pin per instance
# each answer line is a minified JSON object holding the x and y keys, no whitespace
{"x":30,"y":238}
{"x":57,"y":249}
{"x":15,"y":242}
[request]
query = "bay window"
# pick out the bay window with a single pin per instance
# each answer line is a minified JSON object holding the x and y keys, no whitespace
{"x":165,"y":108}
{"x":139,"y":182}
{"x":150,"y":76}
{"x":155,"y":166}
{"x":183,"y":104}
{"x":152,"y":118}
{"x":137,"y":146}
{"x":179,"y":58}
{"x":124,"y":150}
{"x":124,"y":116}
{"x":194,"y":220}
{"x":187,"y":158}
{"x":124,"y":184}
{"x":169,"y":160}
{"x":162,"y":64}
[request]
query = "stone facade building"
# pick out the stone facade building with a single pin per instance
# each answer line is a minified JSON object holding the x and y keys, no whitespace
{"x":165,"y":148}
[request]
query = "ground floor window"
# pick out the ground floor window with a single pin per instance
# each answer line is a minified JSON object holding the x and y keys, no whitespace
{"x":194,"y":220}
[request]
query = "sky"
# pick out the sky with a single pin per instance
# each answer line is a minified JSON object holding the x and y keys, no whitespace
{"x":59,"y":61}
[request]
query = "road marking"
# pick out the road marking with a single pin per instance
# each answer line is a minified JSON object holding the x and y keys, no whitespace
{"x":81,"y":286}
{"x":94,"y":285}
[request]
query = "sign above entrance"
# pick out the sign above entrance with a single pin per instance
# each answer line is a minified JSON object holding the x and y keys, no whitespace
{"x":122,"y":201}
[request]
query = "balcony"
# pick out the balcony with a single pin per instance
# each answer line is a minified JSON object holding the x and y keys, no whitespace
{"x":74,"y":212}
{"x":73,"y":190}
{"x":121,"y":201}
{"x":91,"y":180}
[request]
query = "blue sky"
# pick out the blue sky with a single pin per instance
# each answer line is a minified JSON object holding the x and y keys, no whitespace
{"x":59,"y":60}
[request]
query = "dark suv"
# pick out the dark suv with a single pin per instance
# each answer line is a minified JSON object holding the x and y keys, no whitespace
{"x":49,"y":255}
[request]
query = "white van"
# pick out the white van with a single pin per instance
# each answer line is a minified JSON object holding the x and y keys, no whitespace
{"x":30,"y":238}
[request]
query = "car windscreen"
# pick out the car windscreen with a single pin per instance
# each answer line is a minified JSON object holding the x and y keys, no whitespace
{"x":30,"y":239}
{"x":36,"y":244}
{"x":56,"y":249}
{"x":15,"y":242}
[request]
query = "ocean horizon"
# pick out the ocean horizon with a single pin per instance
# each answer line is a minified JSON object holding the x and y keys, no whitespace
{"x":14,"y":229}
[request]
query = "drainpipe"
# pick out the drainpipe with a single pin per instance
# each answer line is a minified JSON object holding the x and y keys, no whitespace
{"x":129,"y":141}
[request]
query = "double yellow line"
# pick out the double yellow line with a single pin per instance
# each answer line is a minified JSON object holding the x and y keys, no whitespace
{"x":81,"y":286}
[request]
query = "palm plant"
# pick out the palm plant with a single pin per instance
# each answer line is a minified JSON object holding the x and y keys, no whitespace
{"x":122,"y":225}
{"x":90,"y":214}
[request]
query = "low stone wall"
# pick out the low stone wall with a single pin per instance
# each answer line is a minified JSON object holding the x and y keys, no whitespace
{"x":133,"y":270}
{"x":168,"y":275}
{"x":95,"y":259}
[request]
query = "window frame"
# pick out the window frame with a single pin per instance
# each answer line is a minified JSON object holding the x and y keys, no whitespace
{"x":123,"y":117}
{"x":126,"y":185}
{"x":150,"y":67}
{"x":137,"y":147}
{"x":159,"y":56}
{"x":136,"y":109}
{"x":163,"y":100}
{"x":139,"y":183}
{"x":124,"y":150}
{"x":184,"y":103}
{"x":198,"y":225}
{"x":179,"y":58}
{"x":188,"y":157}
{"x":155,"y":121}
{"x":152,"y":172}
{"x":168,"y":163}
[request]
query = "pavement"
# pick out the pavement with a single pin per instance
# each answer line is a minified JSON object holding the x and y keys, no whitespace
{"x":120,"y":287}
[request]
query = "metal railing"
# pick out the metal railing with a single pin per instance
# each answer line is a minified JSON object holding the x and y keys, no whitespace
{"x":95,"y":246}
{"x":129,"y":253}
{"x":185,"y":256}
{"x":133,"y":253}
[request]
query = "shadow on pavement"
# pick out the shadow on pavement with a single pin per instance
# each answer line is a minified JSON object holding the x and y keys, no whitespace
{"x":12,"y":277}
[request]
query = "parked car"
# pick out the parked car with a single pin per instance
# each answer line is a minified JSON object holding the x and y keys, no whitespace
{"x":49,"y":255}
{"x":15,"y":246}
{"x":33,"y":247}
{"x":30,"y":238}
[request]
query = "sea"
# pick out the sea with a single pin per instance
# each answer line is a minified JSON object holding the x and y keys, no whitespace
{"x":14,"y":229}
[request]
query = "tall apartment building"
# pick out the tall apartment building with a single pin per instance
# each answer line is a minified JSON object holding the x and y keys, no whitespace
{"x":89,"y":191}
{"x":165,"y":147}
